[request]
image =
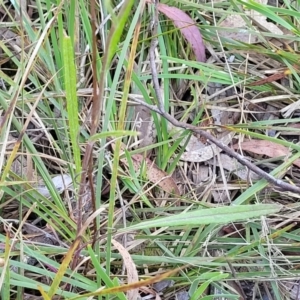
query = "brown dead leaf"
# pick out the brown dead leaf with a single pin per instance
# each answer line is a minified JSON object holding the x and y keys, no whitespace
{"x":266,"y":148}
{"x":187,"y":27}
{"x":155,"y":175}
{"x":132,"y":274}
{"x":269,"y":79}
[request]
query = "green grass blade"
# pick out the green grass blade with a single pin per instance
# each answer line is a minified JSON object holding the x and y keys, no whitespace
{"x":72,"y":100}
{"x":116,"y":133}
{"x":117,"y":30}
{"x":219,"y":215}
{"x":197,"y":294}
{"x":258,"y":186}
{"x":268,"y":12}
{"x":101,"y":272}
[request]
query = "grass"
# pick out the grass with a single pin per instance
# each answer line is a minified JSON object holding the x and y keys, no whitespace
{"x":68,"y":107}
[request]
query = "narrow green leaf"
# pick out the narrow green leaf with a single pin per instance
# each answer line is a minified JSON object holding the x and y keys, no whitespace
{"x":258,"y":186}
{"x":72,"y":101}
{"x":5,"y":276}
{"x":101,"y":272}
{"x":62,"y":269}
{"x":266,"y":11}
{"x":219,"y":215}
{"x":116,"y":133}
{"x":199,"y":292}
{"x":117,"y":29}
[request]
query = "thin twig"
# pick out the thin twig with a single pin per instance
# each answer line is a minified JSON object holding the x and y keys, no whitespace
{"x":160,"y":110}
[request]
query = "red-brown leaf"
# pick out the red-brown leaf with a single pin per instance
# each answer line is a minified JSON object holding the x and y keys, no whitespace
{"x":266,"y":148}
{"x":156,"y":175}
{"x":187,"y":27}
{"x":269,"y":79}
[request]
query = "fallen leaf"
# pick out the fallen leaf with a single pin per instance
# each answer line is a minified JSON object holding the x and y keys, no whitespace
{"x":154,"y":173}
{"x":268,"y":79}
{"x":261,"y":20}
{"x":232,"y":165}
{"x":206,"y":153}
{"x":132,"y":274}
{"x":187,"y":27}
{"x":242,"y":34}
{"x":266,"y":148}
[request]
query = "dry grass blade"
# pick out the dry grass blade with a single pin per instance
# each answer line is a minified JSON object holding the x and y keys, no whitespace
{"x":132,"y":274}
{"x":135,"y":285}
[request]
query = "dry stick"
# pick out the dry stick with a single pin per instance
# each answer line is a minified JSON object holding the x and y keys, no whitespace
{"x":160,"y":110}
{"x":278,"y":182}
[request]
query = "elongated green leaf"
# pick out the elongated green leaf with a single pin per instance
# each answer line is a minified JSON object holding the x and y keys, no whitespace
{"x":101,"y":272}
{"x":5,"y":276}
{"x":72,"y":101}
{"x":267,"y":11}
{"x":116,"y":133}
{"x":258,"y":186}
{"x":117,"y":29}
{"x":199,"y":292}
{"x":62,"y":269}
{"x":219,"y":215}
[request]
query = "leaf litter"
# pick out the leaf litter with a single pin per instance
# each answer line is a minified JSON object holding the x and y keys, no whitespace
{"x":153,"y":172}
{"x":267,"y":148}
{"x":243,"y":33}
